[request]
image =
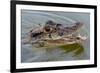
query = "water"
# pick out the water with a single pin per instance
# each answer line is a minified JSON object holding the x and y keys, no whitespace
{"x":30,"y":19}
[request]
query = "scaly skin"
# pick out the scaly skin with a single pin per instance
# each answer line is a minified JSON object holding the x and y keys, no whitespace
{"x":56,"y":33}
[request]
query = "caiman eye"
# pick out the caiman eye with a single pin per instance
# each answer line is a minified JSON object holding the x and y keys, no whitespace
{"x":47,"y":29}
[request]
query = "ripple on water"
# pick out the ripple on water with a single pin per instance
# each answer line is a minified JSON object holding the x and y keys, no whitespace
{"x":30,"y":19}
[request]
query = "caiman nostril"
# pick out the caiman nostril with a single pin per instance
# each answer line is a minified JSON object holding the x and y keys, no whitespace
{"x":78,"y":38}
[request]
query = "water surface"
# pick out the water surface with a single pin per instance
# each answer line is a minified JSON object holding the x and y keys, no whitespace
{"x":30,"y":19}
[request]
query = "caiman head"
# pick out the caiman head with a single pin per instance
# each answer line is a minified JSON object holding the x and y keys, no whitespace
{"x":52,"y":27}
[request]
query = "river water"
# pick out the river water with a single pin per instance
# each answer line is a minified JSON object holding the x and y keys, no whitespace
{"x":30,"y":19}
